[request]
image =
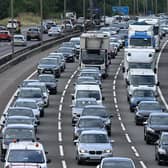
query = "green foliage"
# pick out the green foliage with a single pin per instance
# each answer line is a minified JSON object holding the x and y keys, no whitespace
{"x":54,"y":8}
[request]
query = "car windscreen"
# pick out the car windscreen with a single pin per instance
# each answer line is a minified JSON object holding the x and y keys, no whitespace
{"x":90,"y":123}
{"x":30,"y":94}
{"x":159,"y":120}
{"x":20,"y":112}
{"x":143,"y":93}
{"x":142,"y":80}
{"x":49,"y":61}
{"x":47,"y":78}
{"x":117,"y":164}
{"x":101,"y":112}
{"x":88,"y":94}
{"x":26,"y":104}
{"x":149,"y":106}
{"x":93,"y":138}
{"x":26,"y":156}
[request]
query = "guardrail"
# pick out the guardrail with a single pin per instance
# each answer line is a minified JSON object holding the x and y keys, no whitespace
{"x":8,"y":60}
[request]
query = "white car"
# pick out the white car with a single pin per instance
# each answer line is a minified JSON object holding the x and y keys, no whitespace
{"x":27,"y":153}
{"x":54,"y":31}
{"x":19,"y":40}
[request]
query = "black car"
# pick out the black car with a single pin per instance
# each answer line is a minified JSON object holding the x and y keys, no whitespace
{"x":155,"y":125}
{"x":161,"y":148}
{"x":50,"y":82}
{"x":144,"y":108}
{"x":68,"y":52}
{"x":49,"y":66}
{"x":100,"y":111}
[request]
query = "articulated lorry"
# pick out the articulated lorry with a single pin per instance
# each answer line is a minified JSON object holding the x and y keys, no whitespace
{"x":93,"y":51}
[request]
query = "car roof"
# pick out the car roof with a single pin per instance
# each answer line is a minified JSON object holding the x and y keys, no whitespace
{"x":164,"y":133}
{"x":95,"y":106}
{"x":36,"y":84}
{"x":27,"y":145}
{"x":143,"y":71}
{"x":94,"y":132}
{"x":20,"y":126}
{"x":50,"y":75}
{"x":25,"y":100}
{"x":87,"y":87}
{"x":85,"y":99}
{"x":159,"y":114}
{"x":30,"y":88}
{"x":90,"y":117}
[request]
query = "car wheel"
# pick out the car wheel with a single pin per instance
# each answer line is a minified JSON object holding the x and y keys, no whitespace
{"x":131,"y":109}
{"x":147,"y":140}
{"x":159,"y":161}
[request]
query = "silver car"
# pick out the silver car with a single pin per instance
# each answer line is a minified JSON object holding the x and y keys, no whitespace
{"x":88,"y":123}
{"x":78,"y":106}
{"x":92,"y":146}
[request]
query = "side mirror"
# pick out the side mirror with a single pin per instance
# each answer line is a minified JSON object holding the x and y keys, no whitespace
{"x":103,"y":98}
{"x":2,"y":159}
{"x":157,"y":142}
{"x":71,"y":106}
{"x":48,"y":160}
{"x":46,"y":152}
{"x":158,"y":83}
{"x":127,"y":82}
{"x":73,"y":97}
{"x":112,"y":141}
{"x":145,"y":123}
{"x":38,"y":138}
{"x":155,"y":70}
{"x":76,"y":141}
{"x":123,"y":69}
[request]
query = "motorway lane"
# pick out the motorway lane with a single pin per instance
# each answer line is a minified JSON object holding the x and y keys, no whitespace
{"x":48,"y":130}
{"x":136,"y":134}
{"x":5,"y":47}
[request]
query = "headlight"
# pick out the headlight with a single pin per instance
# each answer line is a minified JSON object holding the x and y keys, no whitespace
{"x":108,"y":151}
{"x":162,"y":151}
{"x":150,"y":129}
{"x":83,"y":151}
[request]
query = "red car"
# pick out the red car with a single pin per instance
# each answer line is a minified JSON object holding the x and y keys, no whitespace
{"x":5,"y":35}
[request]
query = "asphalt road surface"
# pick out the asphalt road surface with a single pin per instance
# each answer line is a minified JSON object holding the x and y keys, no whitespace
{"x":55,"y":130}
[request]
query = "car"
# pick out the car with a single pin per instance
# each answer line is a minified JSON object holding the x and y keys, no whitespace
{"x":44,"y":90}
{"x":33,"y":93}
{"x":5,"y":35}
{"x":68,"y":53}
{"x":144,"y":108}
{"x":20,"y":120}
{"x":156,"y":123}
{"x":33,"y":33}
{"x":88,"y":123}
{"x":21,"y":132}
{"x":27,"y":153}
{"x":60,"y":58}
{"x":93,"y":74}
{"x":88,"y":91}
{"x":100,"y":111}
{"x":50,"y":82}
{"x":161,"y":148}
{"x":26,"y":81}
{"x":76,"y":42}
{"x":78,"y":106}
{"x":88,"y":80}
{"x":30,"y":103}
{"x":54,"y":31}
{"x":68,"y":44}
{"x":112,"y":51}
{"x":139,"y":95}
{"x":114,"y":162}
{"x":92,"y":146}
{"x":49,"y":66}
{"x":19,"y":40}
{"x":20,"y":111}
{"x":2,"y":27}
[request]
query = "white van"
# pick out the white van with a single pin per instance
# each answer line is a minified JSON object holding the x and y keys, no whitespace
{"x":88,"y":91}
{"x":138,"y":78}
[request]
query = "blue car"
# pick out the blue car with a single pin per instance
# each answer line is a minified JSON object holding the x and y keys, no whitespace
{"x":139,"y":95}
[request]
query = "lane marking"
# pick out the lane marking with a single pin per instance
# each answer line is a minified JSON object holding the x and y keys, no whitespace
{"x":157,"y":64}
{"x":60,"y":136}
{"x":62,"y":99}
{"x":61,"y":150}
{"x":59,"y":116}
{"x":59,"y":125}
{"x":64,"y":165}
{"x":123,"y":127}
{"x":115,"y":100}
{"x":142,"y":164}
{"x":128,"y":138}
{"x":60,"y":107}
{"x":135,"y":151}
{"x":114,"y":94}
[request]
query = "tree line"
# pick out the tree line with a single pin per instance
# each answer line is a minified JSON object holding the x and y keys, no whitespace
{"x":55,"y":8}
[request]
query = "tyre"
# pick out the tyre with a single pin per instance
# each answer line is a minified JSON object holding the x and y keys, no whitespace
{"x":42,"y":113}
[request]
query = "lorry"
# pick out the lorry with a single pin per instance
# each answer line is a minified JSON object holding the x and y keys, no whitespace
{"x":139,"y":58}
{"x":94,"y":51}
{"x":155,"y":22}
{"x":140,"y":35}
{"x":14,"y":26}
